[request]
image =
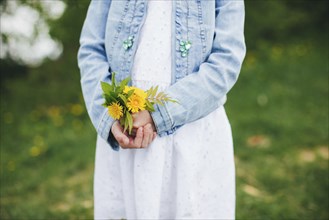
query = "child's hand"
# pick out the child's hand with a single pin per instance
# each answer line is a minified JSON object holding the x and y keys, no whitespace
{"x":142,"y":139}
{"x":142,"y":118}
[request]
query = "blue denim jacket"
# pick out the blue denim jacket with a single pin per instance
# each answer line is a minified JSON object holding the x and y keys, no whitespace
{"x":200,"y":80}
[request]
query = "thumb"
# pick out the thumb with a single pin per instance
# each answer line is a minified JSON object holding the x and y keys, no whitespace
{"x":118,"y":134}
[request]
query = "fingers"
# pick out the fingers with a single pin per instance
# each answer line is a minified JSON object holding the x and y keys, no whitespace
{"x":118,"y":134}
{"x":137,"y":141}
{"x":148,"y":135}
{"x":142,"y":137}
{"x":137,"y":120}
{"x":133,"y":132}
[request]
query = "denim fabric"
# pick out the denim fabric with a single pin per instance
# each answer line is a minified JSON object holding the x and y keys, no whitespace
{"x":200,"y":81}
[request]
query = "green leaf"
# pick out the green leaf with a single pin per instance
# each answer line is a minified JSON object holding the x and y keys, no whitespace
{"x":148,"y":92}
{"x":173,"y":100}
{"x":156,"y":90}
{"x":114,"y":95}
{"x":113,"y":80}
{"x":130,"y":93}
{"x":126,"y":124}
{"x":124,"y":83}
{"x":149,"y":106}
{"x":161,"y":103}
{"x":161,"y":94}
{"x":152,"y":92}
{"x":122,"y":121}
{"x":107,"y":88}
{"x":109,"y":99}
{"x":123,"y":98}
{"x":130,"y":122}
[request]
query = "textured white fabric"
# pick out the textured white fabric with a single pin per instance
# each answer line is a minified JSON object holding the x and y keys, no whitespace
{"x":187,"y":175}
{"x":152,"y":61}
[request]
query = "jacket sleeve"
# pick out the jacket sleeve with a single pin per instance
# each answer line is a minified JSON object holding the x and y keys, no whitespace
{"x":94,"y":67}
{"x":215,"y":77}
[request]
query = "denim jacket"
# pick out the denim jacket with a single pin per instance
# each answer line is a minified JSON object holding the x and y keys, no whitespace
{"x":201,"y":77}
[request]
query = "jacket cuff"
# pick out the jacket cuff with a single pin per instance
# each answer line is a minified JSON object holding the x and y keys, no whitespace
{"x":104,"y":130}
{"x":113,"y":142}
{"x":162,"y":120}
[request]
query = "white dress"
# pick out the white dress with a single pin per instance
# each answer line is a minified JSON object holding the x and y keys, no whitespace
{"x":187,"y":175}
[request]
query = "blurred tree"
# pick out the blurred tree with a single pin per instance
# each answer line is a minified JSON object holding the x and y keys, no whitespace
{"x":64,"y":72}
{"x":55,"y":81}
{"x":283,"y":20}
{"x":266,"y":21}
{"x":25,"y":30}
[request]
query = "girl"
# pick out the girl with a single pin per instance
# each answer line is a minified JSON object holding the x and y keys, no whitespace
{"x":180,"y":162}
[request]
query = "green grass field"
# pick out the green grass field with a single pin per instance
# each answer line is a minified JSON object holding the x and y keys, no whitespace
{"x":279,"y":115}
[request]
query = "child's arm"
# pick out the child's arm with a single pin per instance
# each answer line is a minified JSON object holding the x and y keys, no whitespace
{"x":200,"y":93}
{"x":94,"y":67}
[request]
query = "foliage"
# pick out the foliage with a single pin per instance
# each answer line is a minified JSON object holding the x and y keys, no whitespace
{"x":269,"y":21}
{"x":279,"y":129}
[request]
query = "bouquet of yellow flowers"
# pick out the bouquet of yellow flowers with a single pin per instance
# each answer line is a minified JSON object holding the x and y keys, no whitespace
{"x":122,"y":100}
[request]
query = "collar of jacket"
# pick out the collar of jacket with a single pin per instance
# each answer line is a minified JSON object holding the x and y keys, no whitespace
{"x":125,"y":20}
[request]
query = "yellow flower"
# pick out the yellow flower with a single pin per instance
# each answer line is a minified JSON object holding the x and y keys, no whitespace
{"x":136,"y":103}
{"x":115,"y":110}
{"x":127,"y":89}
{"x":137,"y":91}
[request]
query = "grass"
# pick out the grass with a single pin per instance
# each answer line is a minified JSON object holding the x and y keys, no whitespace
{"x":279,"y":115}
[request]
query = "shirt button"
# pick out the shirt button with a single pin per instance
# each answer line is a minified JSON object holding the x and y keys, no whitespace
{"x":127,"y":44}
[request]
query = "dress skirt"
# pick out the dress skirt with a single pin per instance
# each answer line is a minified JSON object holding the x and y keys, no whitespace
{"x":189,"y":174}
